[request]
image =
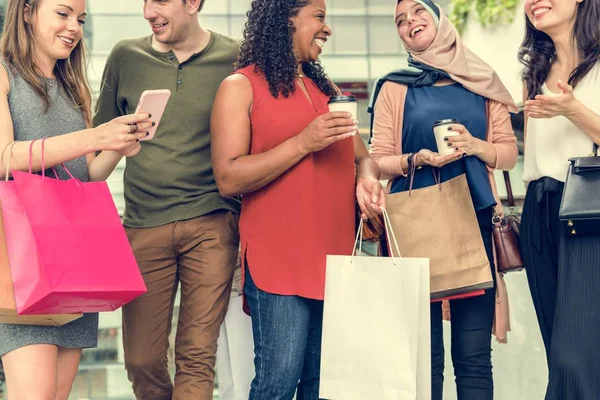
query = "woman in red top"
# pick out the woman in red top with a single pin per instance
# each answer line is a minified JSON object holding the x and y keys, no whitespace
{"x":298,"y":168}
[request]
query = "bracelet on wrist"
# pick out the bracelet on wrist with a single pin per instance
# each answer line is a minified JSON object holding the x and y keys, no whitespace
{"x":402,"y":157}
{"x":412,"y":160}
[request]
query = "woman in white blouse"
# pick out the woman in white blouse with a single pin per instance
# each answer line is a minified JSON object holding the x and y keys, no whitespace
{"x":561,"y":53}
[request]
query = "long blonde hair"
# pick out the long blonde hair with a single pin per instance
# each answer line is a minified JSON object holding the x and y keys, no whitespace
{"x":17,"y":48}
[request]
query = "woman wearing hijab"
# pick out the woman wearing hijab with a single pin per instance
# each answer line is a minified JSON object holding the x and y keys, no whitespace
{"x":446,"y":80}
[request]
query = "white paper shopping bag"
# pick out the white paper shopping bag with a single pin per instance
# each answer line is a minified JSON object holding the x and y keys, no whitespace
{"x":376,"y":338}
{"x":235,"y":353}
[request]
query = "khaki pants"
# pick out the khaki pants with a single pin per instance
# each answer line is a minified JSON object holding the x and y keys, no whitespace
{"x":200,"y":253}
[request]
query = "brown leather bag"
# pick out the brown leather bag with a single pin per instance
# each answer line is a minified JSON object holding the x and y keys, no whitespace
{"x":506,"y":236}
{"x":373,"y":229}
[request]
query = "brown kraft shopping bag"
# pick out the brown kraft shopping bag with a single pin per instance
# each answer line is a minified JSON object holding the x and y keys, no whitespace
{"x":439,"y":222}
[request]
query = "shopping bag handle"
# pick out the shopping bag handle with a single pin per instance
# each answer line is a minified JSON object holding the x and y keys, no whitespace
{"x":388,"y":227}
{"x":413,"y":170}
{"x":44,"y":164}
{"x":10,"y":149}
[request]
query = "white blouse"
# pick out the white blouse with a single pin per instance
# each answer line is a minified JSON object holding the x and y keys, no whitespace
{"x":550,"y":142}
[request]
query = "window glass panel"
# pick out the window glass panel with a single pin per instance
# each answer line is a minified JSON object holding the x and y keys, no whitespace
{"x":237,"y":27}
{"x":383,"y":36}
{"x":349,"y":35}
{"x":386,"y":7}
{"x":381,"y":7}
{"x":217,"y":24}
{"x":346,"y":7}
{"x":108,"y":29}
{"x":214,"y":7}
{"x":238,"y":6}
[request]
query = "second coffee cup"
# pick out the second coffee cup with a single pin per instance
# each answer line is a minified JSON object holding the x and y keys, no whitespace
{"x":440,"y":131}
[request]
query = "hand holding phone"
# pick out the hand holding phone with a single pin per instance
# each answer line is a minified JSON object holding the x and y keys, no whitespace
{"x":154,"y":103}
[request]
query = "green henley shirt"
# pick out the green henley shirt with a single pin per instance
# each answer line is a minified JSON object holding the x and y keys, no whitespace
{"x":171,"y":179}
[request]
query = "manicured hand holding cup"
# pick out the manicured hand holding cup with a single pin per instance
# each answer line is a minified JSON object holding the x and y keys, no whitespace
{"x":464,"y":143}
{"x":327,"y":129}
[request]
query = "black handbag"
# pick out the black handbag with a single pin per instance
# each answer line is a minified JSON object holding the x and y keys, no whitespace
{"x":580,"y":204}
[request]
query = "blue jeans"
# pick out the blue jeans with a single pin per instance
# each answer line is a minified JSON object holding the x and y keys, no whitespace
{"x":287,"y":344}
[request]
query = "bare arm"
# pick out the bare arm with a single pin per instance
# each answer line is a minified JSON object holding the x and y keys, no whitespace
{"x":366,"y":166}
{"x":369,"y":192}
{"x":111,"y":136}
{"x":101,"y":166}
{"x":236,"y":170}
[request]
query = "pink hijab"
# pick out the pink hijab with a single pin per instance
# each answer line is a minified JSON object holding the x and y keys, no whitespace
{"x":449,"y":54}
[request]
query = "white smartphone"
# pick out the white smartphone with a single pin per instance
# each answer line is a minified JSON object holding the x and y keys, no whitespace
{"x":153,"y":102}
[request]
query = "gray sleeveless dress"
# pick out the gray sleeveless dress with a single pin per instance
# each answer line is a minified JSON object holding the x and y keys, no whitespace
{"x":31,"y":122}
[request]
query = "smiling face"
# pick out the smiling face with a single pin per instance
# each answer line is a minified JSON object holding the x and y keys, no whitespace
{"x":57,"y":27}
{"x":171,"y":20}
{"x":552,"y":16}
{"x":416,"y":25}
{"x":311,"y":31}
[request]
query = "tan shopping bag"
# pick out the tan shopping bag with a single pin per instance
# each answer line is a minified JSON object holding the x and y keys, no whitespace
{"x":376,"y":328}
{"x":439,"y":222}
{"x":8,"y":313}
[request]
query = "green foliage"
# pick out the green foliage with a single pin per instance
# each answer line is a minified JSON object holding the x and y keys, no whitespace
{"x":489,"y":12}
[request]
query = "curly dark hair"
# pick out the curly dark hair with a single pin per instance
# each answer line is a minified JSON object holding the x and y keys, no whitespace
{"x":268,"y":45}
{"x":537,"y":52}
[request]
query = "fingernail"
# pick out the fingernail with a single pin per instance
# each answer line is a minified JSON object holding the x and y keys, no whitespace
{"x":355,"y":121}
{"x":449,"y":128}
{"x":348,"y":115}
{"x":449,"y":144}
{"x":446,"y":138}
{"x":154,"y":123}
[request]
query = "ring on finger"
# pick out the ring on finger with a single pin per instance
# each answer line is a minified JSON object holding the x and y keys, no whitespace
{"x":133,"y":128}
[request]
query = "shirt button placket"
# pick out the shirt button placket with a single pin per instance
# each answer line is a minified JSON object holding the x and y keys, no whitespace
{"x":179,"y":81}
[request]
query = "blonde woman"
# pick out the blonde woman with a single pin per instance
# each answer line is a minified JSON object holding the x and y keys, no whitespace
{"x":44,"y":94}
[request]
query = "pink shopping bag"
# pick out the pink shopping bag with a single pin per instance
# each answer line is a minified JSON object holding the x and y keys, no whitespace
{"x":77,"y":258}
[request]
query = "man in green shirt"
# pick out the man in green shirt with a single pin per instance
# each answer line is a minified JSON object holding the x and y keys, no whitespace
{"x":180,"y":228}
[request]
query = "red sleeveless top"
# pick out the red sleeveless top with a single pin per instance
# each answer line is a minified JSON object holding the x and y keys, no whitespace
{"x":289,"y":227}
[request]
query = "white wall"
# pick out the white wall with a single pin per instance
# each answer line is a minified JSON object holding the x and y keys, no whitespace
{"x":499,"y":46}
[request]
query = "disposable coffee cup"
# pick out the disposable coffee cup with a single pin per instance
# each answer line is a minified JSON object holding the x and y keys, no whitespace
{"x":440,"y":130}
{"x":344,"y":103}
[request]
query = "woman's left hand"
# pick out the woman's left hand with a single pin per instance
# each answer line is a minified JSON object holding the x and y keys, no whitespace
{"x":464,"y":142}
{"x":370,"y":196}
{"x":549,"y":106}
